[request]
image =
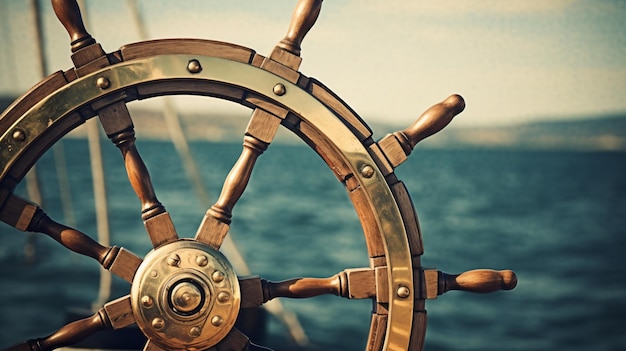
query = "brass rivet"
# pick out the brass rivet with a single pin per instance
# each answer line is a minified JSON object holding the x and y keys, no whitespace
{"x":147,"y":301}
{"x":158,"y":323}
{"x":223,"y":297}
{"x":195,"y":332}
{"x":217,"y":276}
{"x":173,"y":260}
{"x":403,"y":292}
{"x":367,"y":171}
{"x":154,"y":274}
{"x":279,"y":89}
{"x":19,"y":135}
{"x":202,"y":260}
{"x":217,"y":321}
{"x":103,"y":83}
{"x":194,"y":66}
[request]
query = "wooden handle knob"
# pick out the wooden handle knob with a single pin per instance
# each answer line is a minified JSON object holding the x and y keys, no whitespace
{"x":68,"y":13}
{"x":430,"y":122}
{"x":304,"y":287}
{"x":302,"y":20}
{"x":479,"y":281}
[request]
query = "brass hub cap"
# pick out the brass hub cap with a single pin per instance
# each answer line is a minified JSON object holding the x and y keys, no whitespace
{"x":185,"y":295}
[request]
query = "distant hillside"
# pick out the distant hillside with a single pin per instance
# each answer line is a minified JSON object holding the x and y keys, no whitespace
{"x":600,"y":133}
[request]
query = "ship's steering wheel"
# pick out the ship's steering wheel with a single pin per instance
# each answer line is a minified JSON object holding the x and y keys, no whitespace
{"x":185,"y":294}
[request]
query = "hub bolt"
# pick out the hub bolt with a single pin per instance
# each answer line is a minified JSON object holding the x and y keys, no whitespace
{"x":147,"y":301}
{"x":195,"y":332}
{"x":217,"y":276}
{"x":202,"y":260}
{"x":173,"y":260}
{"x":217,"y":321}
{"x":158,"y":323}
{"x":223,"y":297}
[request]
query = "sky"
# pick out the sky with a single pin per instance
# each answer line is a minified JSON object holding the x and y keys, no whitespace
{"x":513,"y":61}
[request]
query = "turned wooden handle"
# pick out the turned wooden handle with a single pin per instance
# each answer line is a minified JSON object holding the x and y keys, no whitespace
{"x":67,"y":335}
{"x":299,"y":288}
{"x":430,"y":122}
{"x":68,"y":13}
{"x":478,"y":281}
{"x":302,"y":20}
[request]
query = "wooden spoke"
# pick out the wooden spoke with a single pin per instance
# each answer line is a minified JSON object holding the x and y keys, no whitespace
{"x":67,"y":335}
{"x":162,"y":231}
{"x":477,"y":281}
{"x":214,"y":227}
{"x":32,"y":218}
{"x":350,"y":283}
{"x":212,"y":231}
{"x":138,"y":174}
{"x":119,"y":312}
{"x":68,"y":13}
{"x":114,"y":315}
{"x":237,"y":179}
{"x":378,"y":327}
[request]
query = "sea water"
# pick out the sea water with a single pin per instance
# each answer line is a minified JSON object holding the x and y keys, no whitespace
{"x":557,"y":219}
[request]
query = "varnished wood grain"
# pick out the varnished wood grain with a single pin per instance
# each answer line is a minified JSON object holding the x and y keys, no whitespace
{"x":69,"y":15}
{"x":348,"y":116}
{"x":268,"y":106}
{"x":139,"y":179}
{"x":237,"y":179}
{"x":418,"y":329}
{"x":263,"y":126}
{"x":353,"y":283}
{"x":373,"y":236}
{"x":399,"y":145}
{"x":187,"y":46}
{"x":318,"y":142}
{"x":381,"y":160}
{"x":212,"y":230}
{"x":161,"y":229}
{"x":382,"y":284}
{"x":302,"y":20}
{"x":42,"y":89}
{"x":478,"y":281}
{"x":190,"y":87}
{"x":378,"y":328}
{"x":67,"y":335}
{"x":119,"y":312}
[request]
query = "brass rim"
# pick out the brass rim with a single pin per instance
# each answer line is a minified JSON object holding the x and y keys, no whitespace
{"x":55,"y":115}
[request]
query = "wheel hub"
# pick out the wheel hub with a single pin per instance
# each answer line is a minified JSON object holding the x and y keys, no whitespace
{"x":185,"y":295}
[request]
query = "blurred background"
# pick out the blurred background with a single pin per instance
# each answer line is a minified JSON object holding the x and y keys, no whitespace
{"x":530,"y":177}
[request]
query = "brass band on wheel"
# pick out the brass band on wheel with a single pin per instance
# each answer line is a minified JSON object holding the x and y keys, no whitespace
{"x":339,"y":141}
